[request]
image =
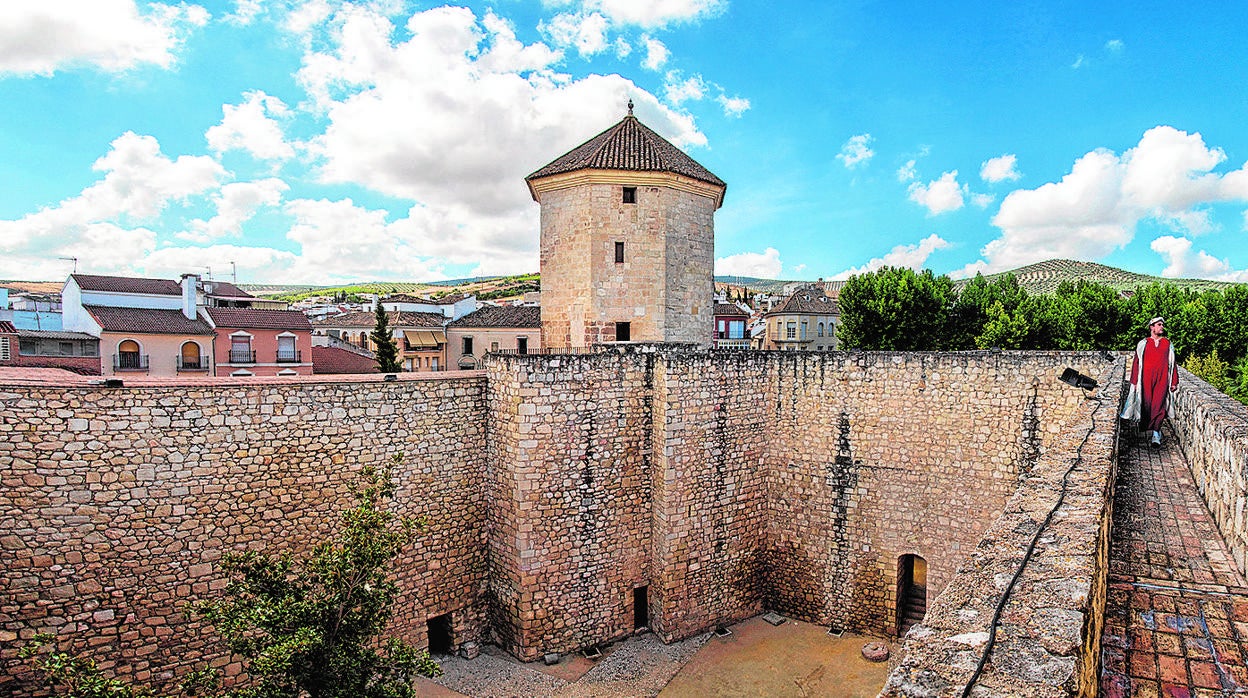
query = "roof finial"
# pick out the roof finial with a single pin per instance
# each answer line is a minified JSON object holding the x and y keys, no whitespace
{"x":630,"y":106}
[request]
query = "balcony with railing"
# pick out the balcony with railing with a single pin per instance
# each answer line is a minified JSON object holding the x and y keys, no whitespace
{"x":189,"y":365}
{"x":289,"y":356}
{"x":129,"y":361}
{"x":242,"y":356}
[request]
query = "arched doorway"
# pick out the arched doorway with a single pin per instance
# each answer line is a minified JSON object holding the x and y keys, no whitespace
{"x":128,"y":356}
{"x":191,"y":360}
{"x":911,"y":592}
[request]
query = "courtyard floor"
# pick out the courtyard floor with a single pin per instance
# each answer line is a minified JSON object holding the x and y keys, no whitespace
{"x":1176,"y":618}
{"x":758,"y":659}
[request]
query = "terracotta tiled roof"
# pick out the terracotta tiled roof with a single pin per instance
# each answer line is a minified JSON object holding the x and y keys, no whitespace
{"x":501,"y":316}
{"x":223,"y":289}
{"x":729,"y":309}
{"x":335,"y":360}
{"x":7,"y":327}
{"x":259,"y":318}
{"x":369,"y":320}
{"x":810,"y":300}
{"x":123,"y":284}
{"x":628,"y":145}
{"x":146,"y":320}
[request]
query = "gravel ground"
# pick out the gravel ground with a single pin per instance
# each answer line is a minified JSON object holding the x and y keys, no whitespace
{"x":638,"y":666}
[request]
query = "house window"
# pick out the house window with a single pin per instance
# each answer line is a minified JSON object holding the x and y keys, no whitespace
{"x":467,"y":346}
{"x":803,"y":329}
{"x":630,"y":195}
{"x":619,"y":253}
{"x":493,"y":346}
{"x":790,"y":331}
{"x":623,"y":332}
{"x":128,"y":355}
{"x":286,"y":352}
{"x":434,"y":365}
{"x":240,"y":349}
{"x":6,"y":352}
{"x":522,"y":345}
{"x":190,"y":358}
{"x":821,"y":329}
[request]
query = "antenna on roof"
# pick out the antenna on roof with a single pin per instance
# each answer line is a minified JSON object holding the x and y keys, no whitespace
{"x":207,"y":269}
{"x":74,"y":260}
{"x":234,"y":272}
{"x":630,"y":106}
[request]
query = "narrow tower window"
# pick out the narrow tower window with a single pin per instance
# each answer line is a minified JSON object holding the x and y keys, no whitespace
{"x":619,"y":253}
{"x":623,"y":331}
{"x":630,"y":195}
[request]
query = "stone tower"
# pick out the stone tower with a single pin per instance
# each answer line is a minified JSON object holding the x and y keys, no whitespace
{"x":628,"y":241}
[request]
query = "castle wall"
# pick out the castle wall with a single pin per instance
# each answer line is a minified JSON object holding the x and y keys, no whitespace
{"x":118,"y":503}
{"x":690,"y":239}
{"x":555,"y":487}
{"x":1213,"y":434}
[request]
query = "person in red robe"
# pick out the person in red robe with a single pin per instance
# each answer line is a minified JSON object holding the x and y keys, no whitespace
{"x":1154,"y":376}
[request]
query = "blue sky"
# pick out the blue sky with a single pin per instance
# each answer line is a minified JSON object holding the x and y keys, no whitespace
{"x":327,"y":141}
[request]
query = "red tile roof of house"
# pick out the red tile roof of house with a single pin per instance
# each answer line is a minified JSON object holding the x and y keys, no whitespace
{"x":501,"y":316}
{"x":628,"y":145}
{"x":125,"y":284}
{"x":335,"y":360}
{"x":810,"y":300}
{"x":223,"y":289}
{"x":398,"y":320}
{"x":146,"y":321}
{"x":7,"y":327}
{"x":729,"y":309}
{"x":259,"y":319}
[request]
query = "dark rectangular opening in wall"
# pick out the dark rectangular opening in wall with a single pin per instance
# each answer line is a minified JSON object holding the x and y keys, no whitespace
{"x":630,"y":195}
{"x":440,"y":634}
{"x":641,"y":608}
{"x":619,"y":253}
{"x":623,"y":332}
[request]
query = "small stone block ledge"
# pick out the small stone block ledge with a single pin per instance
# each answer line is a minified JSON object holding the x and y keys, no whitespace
{"x":1049,"y":634}
{"x":1212,"y":431}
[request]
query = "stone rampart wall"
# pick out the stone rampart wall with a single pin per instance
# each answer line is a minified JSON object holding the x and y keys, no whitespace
{"x":1213,"y":434}
{"x":1047,"y":639}
{"x":117,"y":503}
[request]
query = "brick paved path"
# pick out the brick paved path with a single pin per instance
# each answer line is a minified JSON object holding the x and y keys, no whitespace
{"x":1176,"y":621}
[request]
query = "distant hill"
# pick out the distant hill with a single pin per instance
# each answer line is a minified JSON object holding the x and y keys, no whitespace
{"x":1044,"y":277}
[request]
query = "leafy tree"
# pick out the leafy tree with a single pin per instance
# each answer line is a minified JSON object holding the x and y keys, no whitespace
{"x":310,"y":627}
{"x":1210,"y":369}
{"x":897,"y":309}
{"x":387,"y":349}
{"x":1003,"y":329}
{"x":1087,"y":316}
{"x":1238,"y":387}
{"x":969,"y":314}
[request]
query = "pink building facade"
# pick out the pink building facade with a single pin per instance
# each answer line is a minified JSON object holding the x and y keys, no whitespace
{"x":258,"y":342}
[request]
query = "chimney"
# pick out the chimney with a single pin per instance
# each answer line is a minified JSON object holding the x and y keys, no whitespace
{"x":190,"y":296}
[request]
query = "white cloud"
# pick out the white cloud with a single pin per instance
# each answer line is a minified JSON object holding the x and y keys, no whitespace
{"x":940,"y":195}
{"x":982,"y":200}
{"x":1181,"y":262}
{"x":236,"y":203}
{"x":1094,"y":209}
{"x":97,"y":225}
{"x":250,"y":262}
{"x":856,"y":151}
{"x":252,"y":126}
{"x":622,"y":48}
{"x":657,"y":13}
{"x":40,"y":38}
{"x":1000,"y":168}
{"x":907,"y":172}
{"x":244,"y":12}
{"x":734,"y":106}
{"x":677,"y":90}
{"x":764,"y":265}
{"x":490,"y":112}
{"x":656,"y":53}
{"x":586,"y":32}
{"x":1078,"y":62}
{"x":1114,"y":46}
{"x":912,"y":256}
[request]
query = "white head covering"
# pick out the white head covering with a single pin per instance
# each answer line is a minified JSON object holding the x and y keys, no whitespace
{"x":1154,"y":321}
